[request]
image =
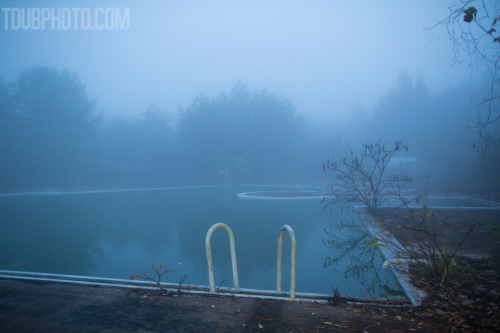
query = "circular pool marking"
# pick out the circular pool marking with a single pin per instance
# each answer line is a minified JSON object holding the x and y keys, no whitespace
{"x":270,"y":195}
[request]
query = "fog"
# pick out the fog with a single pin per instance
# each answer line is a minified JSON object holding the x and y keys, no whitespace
{"x":326,"y":56}
{"x":226,"y":92}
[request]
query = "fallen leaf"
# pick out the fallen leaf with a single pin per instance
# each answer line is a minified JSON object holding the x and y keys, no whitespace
{"x":327,"y":323}
{"x":238,"y":310}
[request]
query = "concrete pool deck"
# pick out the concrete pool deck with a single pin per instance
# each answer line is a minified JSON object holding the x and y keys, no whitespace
{"x":34,"y":306}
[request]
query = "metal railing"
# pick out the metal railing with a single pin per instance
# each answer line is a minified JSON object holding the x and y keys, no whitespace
{"x":209,"y":255}
{"x":233,"y":257}
{"x":293,"y":259}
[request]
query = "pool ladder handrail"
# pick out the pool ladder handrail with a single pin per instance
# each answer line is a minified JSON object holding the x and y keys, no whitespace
{"x":293,"y":259}
{"x":209,"y":255}
{"x":233,"y":257}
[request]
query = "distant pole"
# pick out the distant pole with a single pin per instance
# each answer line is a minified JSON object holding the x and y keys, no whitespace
{"x":426,"y":180}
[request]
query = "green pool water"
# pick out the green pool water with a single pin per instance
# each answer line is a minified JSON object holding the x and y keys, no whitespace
{"x":117,"y":234}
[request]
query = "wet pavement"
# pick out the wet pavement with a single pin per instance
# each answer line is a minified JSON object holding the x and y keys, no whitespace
{"x":36,"y":306}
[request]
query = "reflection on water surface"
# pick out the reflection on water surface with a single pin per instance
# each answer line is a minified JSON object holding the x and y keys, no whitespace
{"x":118,"y":234}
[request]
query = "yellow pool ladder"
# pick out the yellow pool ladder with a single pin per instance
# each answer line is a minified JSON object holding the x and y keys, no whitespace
{"x":209,"y":255}
{"x":293,"y":260}
{"x":233,"y":257}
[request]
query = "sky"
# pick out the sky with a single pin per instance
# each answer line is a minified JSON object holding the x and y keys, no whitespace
{"x":328,"y":57}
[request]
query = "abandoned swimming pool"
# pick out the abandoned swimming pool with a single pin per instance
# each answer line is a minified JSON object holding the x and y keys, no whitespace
{"x":116,"y":234}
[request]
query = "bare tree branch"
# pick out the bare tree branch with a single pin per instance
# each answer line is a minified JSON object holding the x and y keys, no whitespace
{"x":362,"y":177}
{"x":472,"y":28}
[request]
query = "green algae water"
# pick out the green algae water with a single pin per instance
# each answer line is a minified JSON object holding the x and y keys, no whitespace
{"x":117,"y":234}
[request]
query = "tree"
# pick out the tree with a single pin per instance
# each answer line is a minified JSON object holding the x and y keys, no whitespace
{"x":434,"y":125}
{"x":472,"y":26}
{"x":361,"y":178}
{"x":119,"y":153}
{"x":396,"y":113}
{"x":138,"y":152}
{"x":490,"y":177}
{"x":155,"y":140}
{"x":56,"y":101}
{"x":242,"y":132}
{"x":59,"y":121}
{"x":7,"y":108}
{"x":10,"y":133}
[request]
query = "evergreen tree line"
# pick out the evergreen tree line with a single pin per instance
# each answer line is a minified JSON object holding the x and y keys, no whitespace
{"x":52,"y":135}
{"x":442,"y":139}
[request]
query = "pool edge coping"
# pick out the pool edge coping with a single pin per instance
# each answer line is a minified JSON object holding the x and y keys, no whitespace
{"x":195,"y":289}
{"x":415,"y":294}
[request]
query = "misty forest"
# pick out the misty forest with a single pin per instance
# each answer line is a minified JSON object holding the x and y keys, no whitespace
{"x":55,"y":136}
